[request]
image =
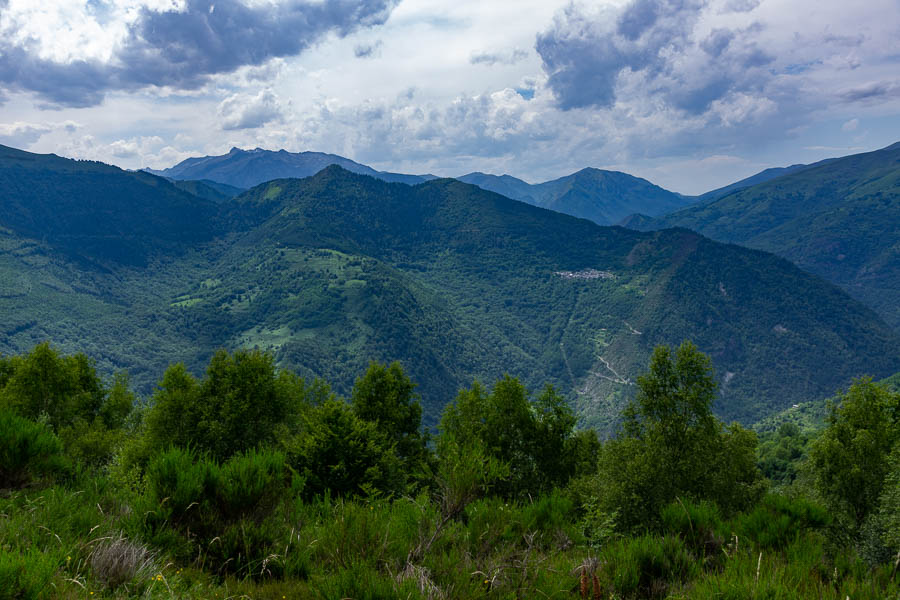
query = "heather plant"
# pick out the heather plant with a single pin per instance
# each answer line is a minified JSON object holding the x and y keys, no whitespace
{"x":28,"y":451}
{"x":778,"y":520}
{"x":25,"y":575}
{"x":647,"y":566}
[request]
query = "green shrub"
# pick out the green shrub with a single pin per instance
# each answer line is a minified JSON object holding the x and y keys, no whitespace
{"x":180,"y":489}
{"x":224,"y":512}
{"x":647,"y":566}
{"x":246,"y":548}
{"x":25,"y":575}
{"x":251,"y":483}
{"x":197,"y":491}
{"x":28,"y":450}
{"x":344,"y":455}
{"x":91,"y":444}
{"x":698,"y":524}
{"x":778,"y":520}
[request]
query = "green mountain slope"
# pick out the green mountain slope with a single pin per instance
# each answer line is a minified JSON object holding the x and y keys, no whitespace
{"x":99,"y":213}
{"x":559,"y":299}
{"x":208,"y":189}
{"x":604,"y":197}
{"x":334,"y":270}
{"x":761,"y":177}
{"x":840,"y":220}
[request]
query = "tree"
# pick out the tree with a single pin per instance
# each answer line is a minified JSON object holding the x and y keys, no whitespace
{"x":384,"y":395}
{"x":530,"y":438}
{"x":672,"y":445}
{"x":66,"y":393}
{"x":46,"y":385}
{"x":242,"y":403}
{"x":340,"y":453}
{"x":849,"y":461}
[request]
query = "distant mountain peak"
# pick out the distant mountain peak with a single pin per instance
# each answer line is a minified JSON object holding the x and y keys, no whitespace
{"x":248,"y":168}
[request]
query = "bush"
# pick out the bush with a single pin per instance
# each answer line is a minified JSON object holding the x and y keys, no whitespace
{"x":698,"y":524}
{"x":646,"y":566}
{"x":198,"y":492}
{"x":778,"y":520}
{"x":25,"y":575}
{"x":28,"y":450}
{"x":222,"y":511}
{"x":341,"y":454}
{"x":251,"y":483}
{"x":180,"y":489}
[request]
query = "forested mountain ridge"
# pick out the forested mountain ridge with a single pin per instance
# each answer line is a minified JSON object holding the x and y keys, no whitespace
{"x":510,"y":286}
{"x":838,"y":220}
{"x":97,"y":212}
{"x":761,"y":177}
{"x":604,"y":197}
{"x":456,"y":282}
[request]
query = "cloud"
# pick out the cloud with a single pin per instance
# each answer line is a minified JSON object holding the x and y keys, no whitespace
{"x":241,"y":111}
{"x":503,"y":58}
{"x":872,"y":91}
{"x":591,"y":56}
{"x":368,"y":50}
{"x":177,"y":45}
{"x":22,"y":134}
{"x":851,"y":125}
{"x":740,"y":6}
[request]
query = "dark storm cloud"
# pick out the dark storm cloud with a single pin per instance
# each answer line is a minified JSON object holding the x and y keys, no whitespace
{"x":183,"y":48}
{"x":585,"y":56}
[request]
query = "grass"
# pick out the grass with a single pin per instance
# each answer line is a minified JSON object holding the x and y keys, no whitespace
{"x":86,"y":540}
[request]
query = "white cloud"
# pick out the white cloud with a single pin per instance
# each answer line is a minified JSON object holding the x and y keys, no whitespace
{"x":242,"y":111}
{"x":851,"y":125}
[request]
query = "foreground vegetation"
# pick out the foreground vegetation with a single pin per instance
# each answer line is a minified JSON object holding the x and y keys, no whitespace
{"x":252,"y":482}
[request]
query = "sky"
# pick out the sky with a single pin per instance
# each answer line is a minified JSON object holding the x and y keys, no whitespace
{"x":690,"y":94}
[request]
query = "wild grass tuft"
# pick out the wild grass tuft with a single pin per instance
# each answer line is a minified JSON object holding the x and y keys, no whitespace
{"x":116,"y":560}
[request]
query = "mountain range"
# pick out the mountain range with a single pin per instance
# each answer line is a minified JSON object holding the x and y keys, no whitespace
{"x":839,"y":219}
{"x":246,"y":168}
{"x":457,"y":282}
{"x":605,"y":197}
